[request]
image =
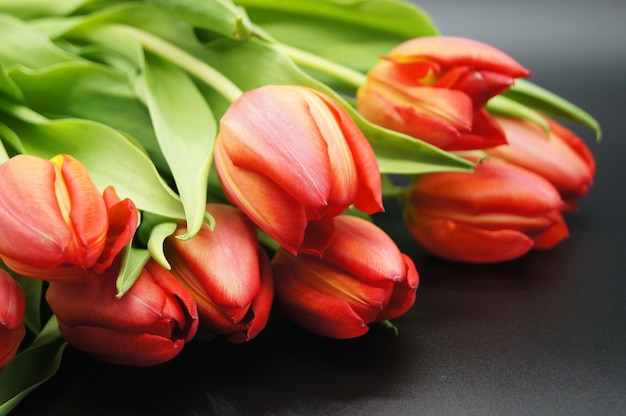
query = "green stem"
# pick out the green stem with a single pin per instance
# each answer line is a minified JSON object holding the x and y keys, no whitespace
{"x":323,"y":65}
{"x":200,"y":69}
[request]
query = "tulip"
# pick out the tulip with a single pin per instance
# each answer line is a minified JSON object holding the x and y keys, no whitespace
{"x":361,"y":278}
{"x":559,"y":156}
{"x":12,"y":309}
{"x":148,"y":325}
{"x":227,"y":273}
{"x":435,"y":89}
{"x":56,"y":225}
{"x":496,"y":213}
{"x":292,"y":159}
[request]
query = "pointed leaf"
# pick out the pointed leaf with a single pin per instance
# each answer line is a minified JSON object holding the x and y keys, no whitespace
{"x":185,"y":129}
{"x":332,"y":28}
{"x":220,"y":16}
{"x":132,"y":264}
{"x":551,"y":104}
{"x":503,"y":106}
{"x":31,"y":367}
{"x":157,"y":237}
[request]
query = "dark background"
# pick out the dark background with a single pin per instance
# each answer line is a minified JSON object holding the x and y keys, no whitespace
{"x":541,"y":335}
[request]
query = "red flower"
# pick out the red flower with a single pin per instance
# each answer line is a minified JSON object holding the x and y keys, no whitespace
{"x":292,"y":159}
{"x":436,"y":88}
{"x":227,"y":273}
{"x":148,"y":325}
{"x":56,"y":225}
{"x":12,"y":309}
{"x":561,"y":156}
{"x":361,"y":278}
{"x":497,"y":213}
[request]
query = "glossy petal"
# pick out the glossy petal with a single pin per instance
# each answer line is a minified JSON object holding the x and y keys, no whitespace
{"x":497,"y":213}
{"x":226,"y":272}
{"x":12,"y":310}
{"x":562,"y":157}
{"x":288,"y":156}
{"x":148,"y":325}
{"x":453,"y":51}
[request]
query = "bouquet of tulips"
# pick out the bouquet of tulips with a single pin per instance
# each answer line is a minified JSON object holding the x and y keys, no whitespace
{"x":174,"y":170}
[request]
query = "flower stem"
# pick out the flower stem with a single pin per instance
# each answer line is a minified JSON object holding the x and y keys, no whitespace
{"x":200,"y":69}
{"x":325,"y":66}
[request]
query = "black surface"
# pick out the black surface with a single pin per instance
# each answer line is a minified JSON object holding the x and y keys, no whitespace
{"x":542,"y":335}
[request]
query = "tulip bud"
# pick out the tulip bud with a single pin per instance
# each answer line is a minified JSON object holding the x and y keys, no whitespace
{"x":496,"y":213}
{"x":292,"y":159}
{"x":227,"y":273}
{"x":149,"y":325}
{"x":55,"y":225}
{"x":12,"y":309}
{"x":435,"y":89}
{"x":361,"y":278}
{"x":560,"y":156}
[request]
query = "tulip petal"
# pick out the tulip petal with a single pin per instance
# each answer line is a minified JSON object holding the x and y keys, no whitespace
{"x":258,"y":198}
{"x":403,"y":295}
{"x":317,"y":312}
{"x":463,"y":243}
{"x":363,"y":249}
{"x":294,"y":138}
{"x":553,"y":235}
{"x":123,"y":220}
{"x":454,"y":51}
{"x":21,"y":224}
{"x":86,"y":209}
{"x":131,"y":349}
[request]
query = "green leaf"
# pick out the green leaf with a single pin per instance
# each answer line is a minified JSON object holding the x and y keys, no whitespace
{"x":30,"y":9}
{"x":108,"y":156}
{"x":23,"y":45}
{"x":354,"y":33}
{"x":91,"y":91}
{"x":220,"y":16}
{"x":133,"y":261}
{"x":503,"y":106}
{"x":157,"y":237}
{"x":551,"y":104}
{"x":32,"y":367}
{"x":7,"y":86}
{"x":186,"y":130}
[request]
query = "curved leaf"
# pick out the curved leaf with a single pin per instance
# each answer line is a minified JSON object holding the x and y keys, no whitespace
{"x":551,"y":104}
{"x":32,"y":367}
{"x":332,"y":28}
{"x":132,"y":264}
{"x":185,"y":129}
{"x":501,"y":105}
{"x":220,"y":16}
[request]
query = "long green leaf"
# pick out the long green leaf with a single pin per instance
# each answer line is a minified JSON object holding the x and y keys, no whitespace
{"x":551,"y":104}
{"x":220,"y":16}
{"x":30,"y":9}
{"x":134,"y":259}
{"x":186,"y":129}
{"x":353,"y":33}
{"x":32,"y":367}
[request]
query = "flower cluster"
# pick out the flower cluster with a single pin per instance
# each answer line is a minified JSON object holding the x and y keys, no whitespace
{"x":525,"y":177}
{"x":180,"y":178}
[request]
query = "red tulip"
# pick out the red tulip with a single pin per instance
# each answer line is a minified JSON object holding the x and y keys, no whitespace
{"x":497,"y":213}
{"x":227,"y":273}
{"x":12,"y":309}
{"x":436,"y":88}
{"x":561,"y":156}
{"x":55,"y":225}
{"x":291,"y":159}
{"x":148,"y":325}
{"x":361,"y":278}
